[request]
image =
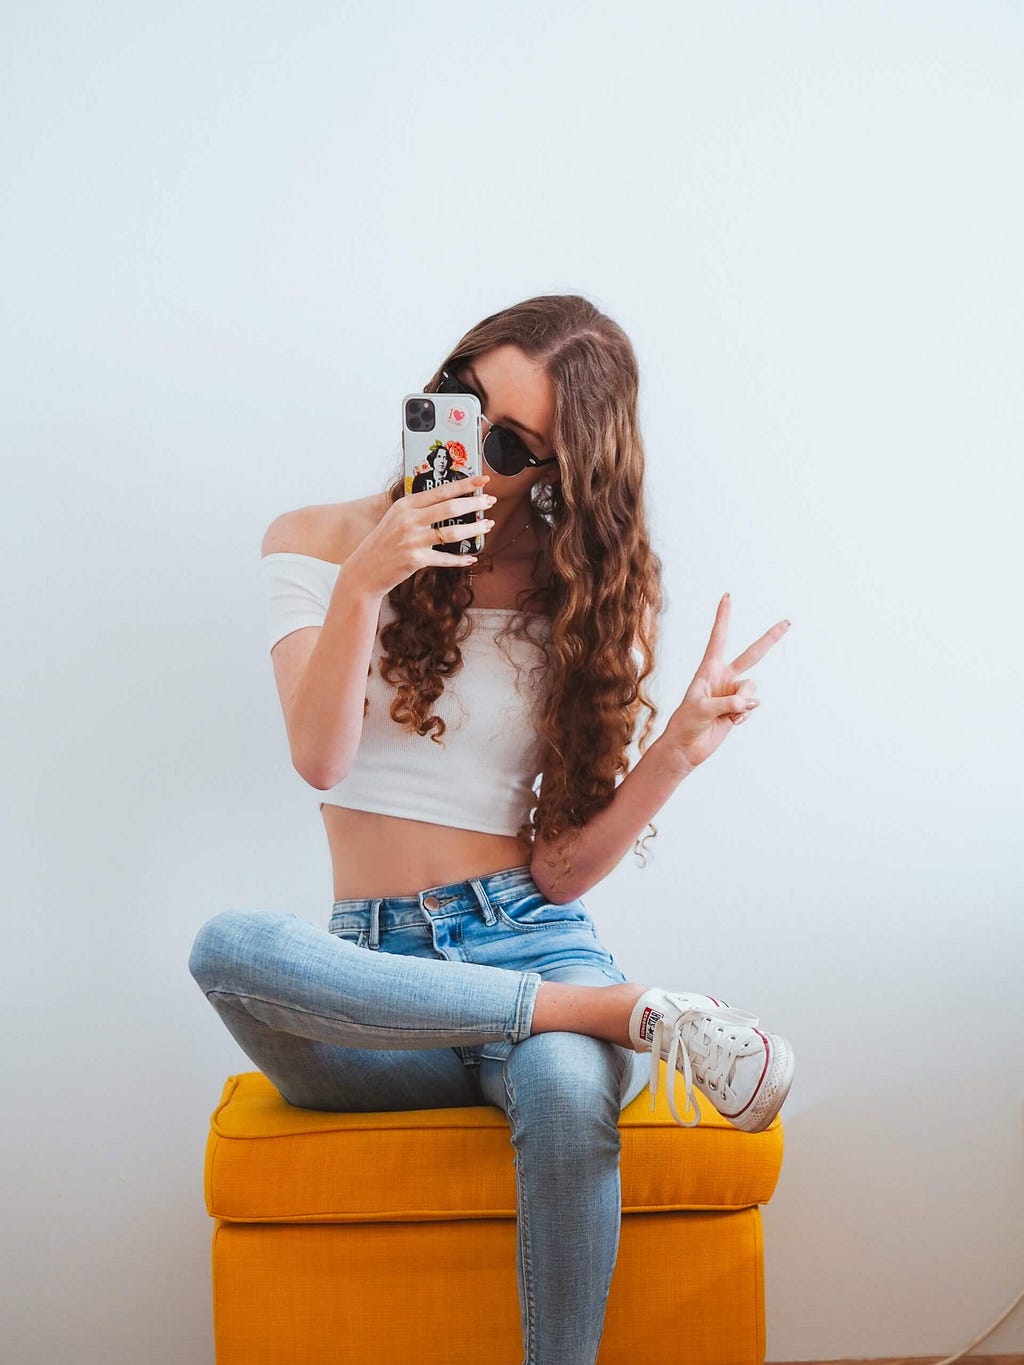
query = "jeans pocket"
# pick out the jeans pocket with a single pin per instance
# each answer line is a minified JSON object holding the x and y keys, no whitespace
{"x":528,"y":911}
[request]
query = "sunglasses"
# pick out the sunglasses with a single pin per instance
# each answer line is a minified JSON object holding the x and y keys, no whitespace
{"x":504,"y":451}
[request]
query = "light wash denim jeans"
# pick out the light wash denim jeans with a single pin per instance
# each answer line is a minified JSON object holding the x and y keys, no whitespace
{"x":425,"y":1001}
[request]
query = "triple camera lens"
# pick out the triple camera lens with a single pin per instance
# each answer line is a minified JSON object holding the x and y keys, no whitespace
{"x":419,"y":414}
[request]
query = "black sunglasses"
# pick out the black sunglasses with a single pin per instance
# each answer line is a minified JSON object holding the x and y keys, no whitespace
{"x":504,"y":451}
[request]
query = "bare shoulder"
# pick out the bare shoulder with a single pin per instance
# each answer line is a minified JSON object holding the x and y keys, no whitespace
{"x":328,"y":531}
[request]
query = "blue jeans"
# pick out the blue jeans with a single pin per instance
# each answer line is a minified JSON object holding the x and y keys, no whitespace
{"x":425,"y":1001}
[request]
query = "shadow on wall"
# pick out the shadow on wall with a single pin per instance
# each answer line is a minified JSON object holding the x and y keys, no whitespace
{"x":893,"y":1227}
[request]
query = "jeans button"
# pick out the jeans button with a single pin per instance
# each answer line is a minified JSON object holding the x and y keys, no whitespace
{"x":431,"y":903}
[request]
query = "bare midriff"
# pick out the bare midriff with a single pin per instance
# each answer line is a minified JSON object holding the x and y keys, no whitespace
{"x":387,"y":855}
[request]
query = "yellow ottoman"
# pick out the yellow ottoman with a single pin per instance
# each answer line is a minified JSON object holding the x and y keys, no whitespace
{"x":335,"y":1242}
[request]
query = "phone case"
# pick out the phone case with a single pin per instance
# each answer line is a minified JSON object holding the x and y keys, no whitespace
{"x":446,"y":453}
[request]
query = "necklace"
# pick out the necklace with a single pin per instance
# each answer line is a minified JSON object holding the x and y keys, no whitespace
{"x":474,"y":569}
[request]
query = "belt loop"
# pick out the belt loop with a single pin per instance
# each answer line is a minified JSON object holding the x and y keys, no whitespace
{"x":374,"y":940}
{"x":486,"y":908}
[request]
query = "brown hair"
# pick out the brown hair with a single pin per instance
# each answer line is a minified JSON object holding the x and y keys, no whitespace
{"x":600,"y":581}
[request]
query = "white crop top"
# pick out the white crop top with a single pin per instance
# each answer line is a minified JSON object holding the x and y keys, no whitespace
{"x":484,"y":776}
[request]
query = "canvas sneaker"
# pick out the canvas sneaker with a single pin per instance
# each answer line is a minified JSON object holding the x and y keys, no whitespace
{"x":745,"y":1072}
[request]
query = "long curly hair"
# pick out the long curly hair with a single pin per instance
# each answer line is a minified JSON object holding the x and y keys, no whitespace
{"x":598,"y":580}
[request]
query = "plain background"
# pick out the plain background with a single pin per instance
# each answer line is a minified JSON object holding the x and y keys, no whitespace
{"x":233,"y":235}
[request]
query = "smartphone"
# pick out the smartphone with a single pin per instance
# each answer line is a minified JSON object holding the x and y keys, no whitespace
{"x":441,"y":445}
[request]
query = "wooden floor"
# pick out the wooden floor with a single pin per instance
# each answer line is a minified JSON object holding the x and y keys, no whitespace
{"x":912,"y":1360}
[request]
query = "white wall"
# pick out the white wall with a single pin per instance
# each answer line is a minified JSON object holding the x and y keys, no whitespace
{"x":232,"y":237}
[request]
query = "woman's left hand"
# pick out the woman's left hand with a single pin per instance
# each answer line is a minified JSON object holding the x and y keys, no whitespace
{"x":717,"y":700}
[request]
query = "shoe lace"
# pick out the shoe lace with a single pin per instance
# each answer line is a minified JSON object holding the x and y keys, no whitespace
{"x":709,"y":1039}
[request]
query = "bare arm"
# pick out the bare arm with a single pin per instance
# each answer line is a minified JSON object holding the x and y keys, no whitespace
{"x":321,"y":671}
{"x":610,"y":833}
{"x":716,"y":701}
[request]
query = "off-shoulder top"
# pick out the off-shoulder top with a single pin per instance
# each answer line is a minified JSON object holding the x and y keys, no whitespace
{"x":484,"y":773}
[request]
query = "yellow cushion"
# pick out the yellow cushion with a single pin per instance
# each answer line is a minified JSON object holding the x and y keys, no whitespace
{"x":270,"y":1162}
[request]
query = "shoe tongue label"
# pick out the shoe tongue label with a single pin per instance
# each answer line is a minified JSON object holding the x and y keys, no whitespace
{"x":648,"y":1020}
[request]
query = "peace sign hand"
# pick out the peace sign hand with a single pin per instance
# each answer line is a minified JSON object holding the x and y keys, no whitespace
{"x":715,"y":701}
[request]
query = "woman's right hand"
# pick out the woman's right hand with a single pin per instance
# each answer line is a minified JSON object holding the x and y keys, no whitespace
{"x":402,"y":540}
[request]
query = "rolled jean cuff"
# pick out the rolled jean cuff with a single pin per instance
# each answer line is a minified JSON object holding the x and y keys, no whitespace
{"x":525,"y":1002}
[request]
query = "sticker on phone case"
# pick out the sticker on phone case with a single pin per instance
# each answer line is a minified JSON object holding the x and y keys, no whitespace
{"x":456,"y":418}
{"x":441,"y":466}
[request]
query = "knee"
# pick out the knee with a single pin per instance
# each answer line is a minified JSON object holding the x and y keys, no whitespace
{"x":564,"y":1089}
{"x":227,"y":940}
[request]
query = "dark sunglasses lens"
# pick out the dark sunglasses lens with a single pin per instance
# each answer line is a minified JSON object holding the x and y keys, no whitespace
{"x":505,"y":452}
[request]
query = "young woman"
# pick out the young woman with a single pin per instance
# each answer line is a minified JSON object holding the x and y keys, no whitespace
{"x":424,"y":693}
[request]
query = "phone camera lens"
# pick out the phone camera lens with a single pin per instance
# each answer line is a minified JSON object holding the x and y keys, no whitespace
{"x":419,"y":414}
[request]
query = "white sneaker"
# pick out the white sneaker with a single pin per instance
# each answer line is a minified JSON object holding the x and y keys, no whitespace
{"x":745,"y":1072}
